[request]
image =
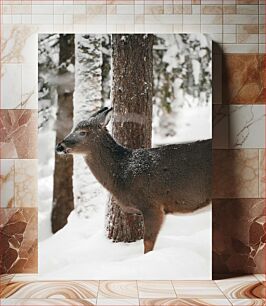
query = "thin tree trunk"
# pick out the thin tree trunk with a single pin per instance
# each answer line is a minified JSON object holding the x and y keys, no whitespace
{"x":63,"y":202}
{"x":132,"y":102}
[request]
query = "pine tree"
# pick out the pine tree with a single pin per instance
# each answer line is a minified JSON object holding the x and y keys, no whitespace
{"x":132,"y":103}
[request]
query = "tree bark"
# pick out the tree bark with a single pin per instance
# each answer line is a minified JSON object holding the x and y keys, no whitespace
{"x":132,"y":127}
{"x":63,"y":202}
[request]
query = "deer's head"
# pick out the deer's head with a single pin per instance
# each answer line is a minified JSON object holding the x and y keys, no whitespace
{"x":85,"y":133}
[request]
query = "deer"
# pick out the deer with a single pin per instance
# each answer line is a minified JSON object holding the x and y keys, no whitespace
{"x":148,"y":181}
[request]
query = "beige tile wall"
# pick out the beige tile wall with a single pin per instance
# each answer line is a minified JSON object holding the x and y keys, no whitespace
{"x":237,"y":27}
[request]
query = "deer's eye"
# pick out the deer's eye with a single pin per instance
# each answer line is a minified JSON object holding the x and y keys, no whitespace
{"x":82,"y":133}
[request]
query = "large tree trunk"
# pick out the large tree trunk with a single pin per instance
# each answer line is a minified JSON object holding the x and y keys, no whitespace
{"x":87,"y":100}
{"x":63,"y":202}
{"x":132,"y":127}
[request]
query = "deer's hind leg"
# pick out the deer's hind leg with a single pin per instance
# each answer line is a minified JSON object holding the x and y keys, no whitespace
{"x":153,"y":218}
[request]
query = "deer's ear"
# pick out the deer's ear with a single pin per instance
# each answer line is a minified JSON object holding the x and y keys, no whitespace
{"x":98,"y":112}
{"x":104,"y":117}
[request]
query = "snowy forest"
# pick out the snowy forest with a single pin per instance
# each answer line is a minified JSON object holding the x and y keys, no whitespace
{"x":166,"y":82}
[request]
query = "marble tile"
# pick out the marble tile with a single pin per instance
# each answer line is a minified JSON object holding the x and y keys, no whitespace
{"x":248,"y":28}
{"x":153,"y":9}
{"x":247,"y":126}
{"x":18,"y":129}
{"x":7,"y":183}
{"x":156,"y":289}
{"x":235,"y":173}
{"x":211,"y":9}
{"x":26,"y":277}
{"x":242,"y":290}
{"x":240,"y":49}
{"x":249,"y":278}
{"x":19,"y":43}
{"x":220,"y":124}
{"x":117,"y":302}
{"x":238,"y":241}
{"x":247,"y":9}
{"x":248,"y":302}
{"x":26,"y":178}
{"x":48,"y":302}
{"x":51,"y":290}
{"x":260,"y":277}
{"x":243,"y":79}
{"x":18,"y":233}
{"x":240,"y":19}
{"x":29,"y":90}
{"x":184,"y":302}
{"x":4,"y":280}
{"x":117,"y":290}
{"x":247,"y":1}
{"x":11,"y":86}
{"x":246,"y":38}
{"x":262,"y":176}
{"x":196,"y":289}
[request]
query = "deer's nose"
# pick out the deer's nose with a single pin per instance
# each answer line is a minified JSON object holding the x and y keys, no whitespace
{"x":60,"y":148}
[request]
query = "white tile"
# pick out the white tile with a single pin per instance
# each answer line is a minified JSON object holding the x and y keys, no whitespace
{"x":68,"y":9}
{"x":58,"y":9}
{"x":262,"y":48}
{"x":262,"y":38}
{"x":229,"y":38}
{"x":191,"y":28}
{"x":229,"y":28}
{"x":139,"y":9}
{"x":240,"y":19}
{"x":7,"y":174}
{"x":7,"y":19}
{"x":247,"y":126}
{"x":262,"y":9}
{"x":58,"y":19}
{"x":163,"y":19}
{"x":139,"y":28}
{"x":30,"y":84}
{"x":26,"y":19}
{"x":11,"y":86}
{"x":79,"y":28}
{"x":125,"y":9}
{"x":191,"y":19}
{"x":196,"y":9}
{"x":159,"y":28}
{"x":211,"y":19}
{"x":208,"y":28}
{"x":42,"y":19}
{"x":240,"y":48}
{"x":121,"y":19}
{"x":125,"y":28}
{"x":79,"y":9}
{"x":68,"y":19}
{"x":96,"y":19}
{"x":68,"y":28}
{"x":42,"y":9}
{"x":247,"y":9}
{"x":16,"y":19}
{"x":245,"y":38}
{"x":96,"y":28}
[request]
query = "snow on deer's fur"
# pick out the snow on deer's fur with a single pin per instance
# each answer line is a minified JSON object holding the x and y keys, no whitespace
{"x":167,"y":179}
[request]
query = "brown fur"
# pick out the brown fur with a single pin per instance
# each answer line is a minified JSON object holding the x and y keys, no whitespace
{"x":167,"y":179}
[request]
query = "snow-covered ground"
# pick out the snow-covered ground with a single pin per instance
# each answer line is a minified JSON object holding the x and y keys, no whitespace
{"x":81,"y":251}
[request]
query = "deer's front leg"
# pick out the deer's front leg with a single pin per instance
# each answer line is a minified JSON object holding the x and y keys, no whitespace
{"x":153,"y":219}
